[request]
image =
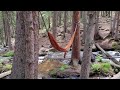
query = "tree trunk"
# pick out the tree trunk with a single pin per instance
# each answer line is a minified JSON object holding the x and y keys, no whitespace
{"x":48,"y":21}
{"x":111,"y":23}
{"x":6,"y":23}
{"x":85,"y":66}
{"x":84,"y":25}
{"x":97,"y":36}
{"x":36,"y":41}
{"x":60,"y":16}
{"x":54,"y":23}
{"x":18,"y":69}
{"x":26,"y":48}
{"x":117,"y":27}
{"x":76,"y":43}
{"x":65,"y":21}
{"x":39,"y":20}
{"x":114,"y":24}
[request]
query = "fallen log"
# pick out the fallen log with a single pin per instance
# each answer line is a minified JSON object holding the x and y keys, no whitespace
{"x":113,"y":64}
{"x":108,"y":55}
{"x":5,"y":74}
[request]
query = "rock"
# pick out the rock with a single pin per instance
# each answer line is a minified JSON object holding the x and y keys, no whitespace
{"x":47,"y":65}
{"x":40,"y":61}
{"x":67,"y":73}
{"x":43,"y":51}
{"x":41,"y":58}
{"x":114,"y":53}
{"x":105,"y":44}
{"x":52,"y":50}
{"x":60,"y":39}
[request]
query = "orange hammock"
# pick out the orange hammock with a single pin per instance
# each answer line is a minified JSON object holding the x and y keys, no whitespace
{"x":57,"y":47}
{"x":55,"y":44}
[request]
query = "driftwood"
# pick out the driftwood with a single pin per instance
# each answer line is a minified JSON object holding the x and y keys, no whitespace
{"x":108,"y":55}
{"x":5,"y":74}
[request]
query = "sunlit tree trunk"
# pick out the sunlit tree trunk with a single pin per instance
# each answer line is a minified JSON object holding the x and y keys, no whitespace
{"x":85,"y":66}
{"x":76,"y":43}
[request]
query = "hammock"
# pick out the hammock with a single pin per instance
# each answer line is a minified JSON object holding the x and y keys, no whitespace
{"x":56,"y":45}
{"x":54,"y":42}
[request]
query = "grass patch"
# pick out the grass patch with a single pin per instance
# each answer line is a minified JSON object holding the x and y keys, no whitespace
{"x":101,"y":67}
{"x":99,"y":58}
{"x":8,"y":54}
{"x":62,"y":68}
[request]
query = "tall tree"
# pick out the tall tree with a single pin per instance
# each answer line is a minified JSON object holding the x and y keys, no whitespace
{"x":60,"y":18}
{"x":117,"y":26}
{"x":114,"y":24}
{"x":76,"y":43}
{"x":7,"y":30}
{"x":65,"y":21}
{"x":25,"y":58}
{"x":85,"y":66}
{"x":84,"y":25}
{"x":97,"y":36}
{"x":36,"y":41}
{"x":54,"y":26}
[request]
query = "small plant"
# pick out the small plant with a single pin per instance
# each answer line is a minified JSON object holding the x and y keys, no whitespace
{"x":63,"y":67}
{"x":52,"y":72}
{"x":96,"y":67}
{"x":7,"y":67}
{"x":99,"y":58}
{"x":116,"y":46}
{"x":9,"y":54}
{"x":105,"y":67}
{"x":101,"y":67}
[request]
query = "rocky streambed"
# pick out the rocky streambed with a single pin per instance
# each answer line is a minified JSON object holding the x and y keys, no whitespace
{"x":52,"y":61}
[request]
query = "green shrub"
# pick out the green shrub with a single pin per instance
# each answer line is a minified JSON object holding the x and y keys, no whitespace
{"x":96,"y":67}
{"x":99,"y":58}
{"x":63,"y":67}
{"x":101,"y":67}
{"x":9,"y":54}
{"x":105,"y":67}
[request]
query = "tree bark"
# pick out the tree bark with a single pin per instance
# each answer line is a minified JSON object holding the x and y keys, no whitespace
{"x":65,"y":21}
{"x":114,"y":24}
{"x":36,"y":41}
{"x":18,"y":69}
{"x":60,"y":17}
{"x":26,"y":48}
{"x":76,"y":43}
{"x":84,"y":25}
{"x":118,"y":22}
{"x":54,"y":23}
{"x":85,"y":66}
{"x":97,"y":36}
{"x":7,"y":30}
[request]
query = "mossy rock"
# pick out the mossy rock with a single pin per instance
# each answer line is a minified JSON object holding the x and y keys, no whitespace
{"x":48,"y":65}
{"x":61,"y":68}
{"x":65,"y":71}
